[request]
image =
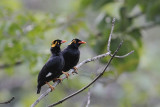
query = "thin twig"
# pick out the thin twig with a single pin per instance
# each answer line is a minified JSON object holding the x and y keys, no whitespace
{"x":10,"y":65}
{"x":89,"y":98}
{"x":9,"y":101}
{"x":79,"y":91}
{"x":109,"y":41}
{"x":123,"y":55}
{"x":110,"y":36}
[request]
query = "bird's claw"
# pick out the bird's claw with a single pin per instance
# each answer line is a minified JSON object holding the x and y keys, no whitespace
{"x":67,"y":74}
{"x":52,"y":88}
{"x":60,"y":79}
{"x":75,"y":70}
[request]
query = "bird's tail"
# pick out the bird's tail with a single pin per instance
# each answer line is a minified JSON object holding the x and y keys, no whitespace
{"x":38,"y":90}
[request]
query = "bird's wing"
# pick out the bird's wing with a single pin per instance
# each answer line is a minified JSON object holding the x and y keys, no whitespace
{"x":71,"y":58}
{"x":49,"y":67}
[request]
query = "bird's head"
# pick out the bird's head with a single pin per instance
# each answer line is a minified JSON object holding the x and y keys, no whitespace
{"x":57,"y":43}
{"x":76,"y":42}
{"x":55,"y":46}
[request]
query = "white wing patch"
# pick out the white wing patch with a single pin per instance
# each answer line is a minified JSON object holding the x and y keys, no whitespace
{"x":49,"y":74}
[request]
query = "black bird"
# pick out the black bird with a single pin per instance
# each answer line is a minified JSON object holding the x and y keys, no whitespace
{"x":52,"y":67}
{"x":71,"y":56}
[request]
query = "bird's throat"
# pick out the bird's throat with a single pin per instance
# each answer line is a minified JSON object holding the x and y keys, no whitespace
{"x":55,"y":50}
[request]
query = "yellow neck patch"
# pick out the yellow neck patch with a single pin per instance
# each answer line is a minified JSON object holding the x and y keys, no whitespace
{"x":54,"y":44}
{"x":72,"y":42}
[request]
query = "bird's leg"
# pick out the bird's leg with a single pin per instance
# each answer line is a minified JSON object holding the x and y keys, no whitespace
{"x":66,"y":73}
{"x":56,"y":79}
{"x":52,"y":88}
{"x":75,"y":70}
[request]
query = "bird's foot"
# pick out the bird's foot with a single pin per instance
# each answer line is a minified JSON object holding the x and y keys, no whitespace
{"x":75,"y":70}
{"x":60,"y":79}
{"x":67,"y":74}
{"x":52,"y":88}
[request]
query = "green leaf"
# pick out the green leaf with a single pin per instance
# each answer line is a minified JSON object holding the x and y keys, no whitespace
{"x":97,"y":4}
{"x":135,"y":33}
{"x":112,"y":9}
{"x":130,"y":4}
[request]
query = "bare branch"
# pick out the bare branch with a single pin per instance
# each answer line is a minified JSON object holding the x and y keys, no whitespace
{"x":109,"y":41}
{"x":123,"y":55}
{"x":89,"y":98}
{"x":110,"y":36}
{"x":9,"y":65}
{"x":9,"y":101}
{"x":79,"y":91}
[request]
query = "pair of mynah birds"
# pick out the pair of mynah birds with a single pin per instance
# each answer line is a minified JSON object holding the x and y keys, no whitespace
{"x":59,"y":63}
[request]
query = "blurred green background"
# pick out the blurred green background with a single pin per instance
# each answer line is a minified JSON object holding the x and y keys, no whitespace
{"x":27,"y":28}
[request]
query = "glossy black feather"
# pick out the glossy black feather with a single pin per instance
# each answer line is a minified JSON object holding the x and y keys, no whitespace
{"x":53,"y":66}
{"x":71,"y":56}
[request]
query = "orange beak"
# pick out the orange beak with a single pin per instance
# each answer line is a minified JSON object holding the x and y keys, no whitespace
{"x":63,"y":41}
{"x":81,"y":42}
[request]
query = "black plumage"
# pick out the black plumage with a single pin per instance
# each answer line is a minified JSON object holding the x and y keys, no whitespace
{"x":71,"y":54}
{"x":53,"y":66}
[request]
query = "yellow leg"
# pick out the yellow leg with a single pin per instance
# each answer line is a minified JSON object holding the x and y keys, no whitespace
{"x":75,"y":70}
{"x":67,"y":74}
{"x":56,"y":79}
{"x":52,"y":88}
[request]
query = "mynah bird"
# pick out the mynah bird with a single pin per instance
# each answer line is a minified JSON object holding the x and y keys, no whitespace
{"x":53,"y":66}
{"x":71,"y":56}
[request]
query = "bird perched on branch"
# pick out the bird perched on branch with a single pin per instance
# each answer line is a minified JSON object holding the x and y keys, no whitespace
{"x":52,"y":67}
{"x":71,"y":56}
